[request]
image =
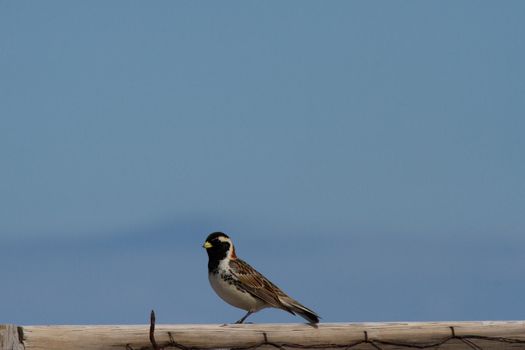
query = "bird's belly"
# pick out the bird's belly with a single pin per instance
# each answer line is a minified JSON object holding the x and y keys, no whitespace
{"x":233,"y":296}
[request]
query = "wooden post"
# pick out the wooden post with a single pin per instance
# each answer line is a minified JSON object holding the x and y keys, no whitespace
{"x":10,"y":337}
{"x":488,"y":335}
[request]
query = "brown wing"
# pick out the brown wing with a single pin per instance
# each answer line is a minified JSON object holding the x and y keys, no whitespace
{"x":257,"y":285}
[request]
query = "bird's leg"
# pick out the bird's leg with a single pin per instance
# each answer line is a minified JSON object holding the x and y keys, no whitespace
{"x":245,"y":316}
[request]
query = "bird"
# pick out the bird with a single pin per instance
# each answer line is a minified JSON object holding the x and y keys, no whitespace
{"x":240,"y":285}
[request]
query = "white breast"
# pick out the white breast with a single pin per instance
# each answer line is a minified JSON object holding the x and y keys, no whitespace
{"x":230,"y":294}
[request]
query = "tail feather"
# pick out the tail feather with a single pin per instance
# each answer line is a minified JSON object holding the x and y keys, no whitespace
{"x":295,"y":307}
{"x":308,"y":315}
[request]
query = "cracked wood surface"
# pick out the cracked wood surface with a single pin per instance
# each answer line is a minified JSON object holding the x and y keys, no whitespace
{"x":9,"y":337}
{"x":348,"y":336}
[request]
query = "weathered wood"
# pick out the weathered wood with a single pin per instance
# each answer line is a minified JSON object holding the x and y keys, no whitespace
{"x":9,"y":338}
{"x":347,"y":336}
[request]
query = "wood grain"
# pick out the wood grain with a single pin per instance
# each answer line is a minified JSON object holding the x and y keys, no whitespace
{"x":347,"y":336}
{"x":9,"y":338}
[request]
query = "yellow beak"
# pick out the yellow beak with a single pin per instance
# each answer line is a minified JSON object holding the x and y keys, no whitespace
{"x":207,"y":245}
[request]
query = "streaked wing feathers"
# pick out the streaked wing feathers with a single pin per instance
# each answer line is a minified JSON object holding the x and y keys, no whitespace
{"x":257,"y":285}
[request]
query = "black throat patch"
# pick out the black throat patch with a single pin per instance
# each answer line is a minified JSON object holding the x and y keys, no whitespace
{"x":216,"y":253}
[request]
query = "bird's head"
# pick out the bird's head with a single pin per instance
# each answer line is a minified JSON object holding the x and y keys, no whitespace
{"x":219,"y":246}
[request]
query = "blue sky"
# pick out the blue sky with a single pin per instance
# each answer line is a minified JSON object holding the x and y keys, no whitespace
{"x":366,"y":156}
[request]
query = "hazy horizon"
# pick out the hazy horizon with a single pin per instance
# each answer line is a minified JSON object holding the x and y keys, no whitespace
{"x":366,"y":156}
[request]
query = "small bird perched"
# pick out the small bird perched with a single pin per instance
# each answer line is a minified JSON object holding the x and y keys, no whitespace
{"x":240,"y":285}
